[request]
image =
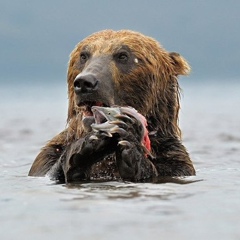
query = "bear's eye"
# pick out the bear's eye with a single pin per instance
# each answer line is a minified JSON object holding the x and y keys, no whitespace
{"x":84,"y":57}
{"x":122,"y":57}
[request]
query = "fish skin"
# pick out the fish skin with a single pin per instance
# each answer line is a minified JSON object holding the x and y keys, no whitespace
{"x":107,"y":118}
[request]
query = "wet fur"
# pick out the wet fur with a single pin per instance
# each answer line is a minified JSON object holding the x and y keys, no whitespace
{"x":155,"y":77}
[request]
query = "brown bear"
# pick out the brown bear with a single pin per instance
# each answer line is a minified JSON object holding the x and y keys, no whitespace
{"x":119,"y":68}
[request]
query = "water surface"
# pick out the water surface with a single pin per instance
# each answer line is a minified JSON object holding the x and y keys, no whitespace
{"x":36,"y":208}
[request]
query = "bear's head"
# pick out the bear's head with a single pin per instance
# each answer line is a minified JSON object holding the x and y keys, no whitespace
{"x":125,"y":68}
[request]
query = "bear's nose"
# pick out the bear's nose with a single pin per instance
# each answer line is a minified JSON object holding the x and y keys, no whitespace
{"x":85,"y":83}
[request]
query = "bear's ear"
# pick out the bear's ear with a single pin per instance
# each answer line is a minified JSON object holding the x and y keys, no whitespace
{"x":180,"y":65}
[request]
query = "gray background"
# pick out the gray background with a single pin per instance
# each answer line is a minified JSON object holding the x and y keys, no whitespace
{"x":37,"y":36}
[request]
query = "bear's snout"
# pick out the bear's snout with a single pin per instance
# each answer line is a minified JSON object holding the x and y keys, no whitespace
{"x":95,"y":82}
{"x":85,"y":83}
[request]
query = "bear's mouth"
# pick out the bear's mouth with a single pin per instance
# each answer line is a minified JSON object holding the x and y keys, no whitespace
{"x":86,"y":107}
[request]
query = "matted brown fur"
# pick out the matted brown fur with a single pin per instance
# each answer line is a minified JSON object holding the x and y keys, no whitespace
{"x":157,"y":61}
{"x":152,"y":88}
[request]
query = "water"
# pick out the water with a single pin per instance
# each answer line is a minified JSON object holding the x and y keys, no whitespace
{"x":36,"y":208}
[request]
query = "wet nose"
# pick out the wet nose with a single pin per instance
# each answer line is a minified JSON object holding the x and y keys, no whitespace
{"x":85,"y":83}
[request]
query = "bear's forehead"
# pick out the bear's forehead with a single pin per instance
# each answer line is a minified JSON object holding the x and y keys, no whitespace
{"x":102,"y":46}
{"x":107,"y":46}
{"x":109,"y":41}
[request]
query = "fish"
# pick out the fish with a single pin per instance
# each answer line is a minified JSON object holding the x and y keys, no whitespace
{"x":110,"y":119}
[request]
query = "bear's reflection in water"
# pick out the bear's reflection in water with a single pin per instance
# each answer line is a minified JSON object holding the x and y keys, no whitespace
{"x":118,"y":190}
